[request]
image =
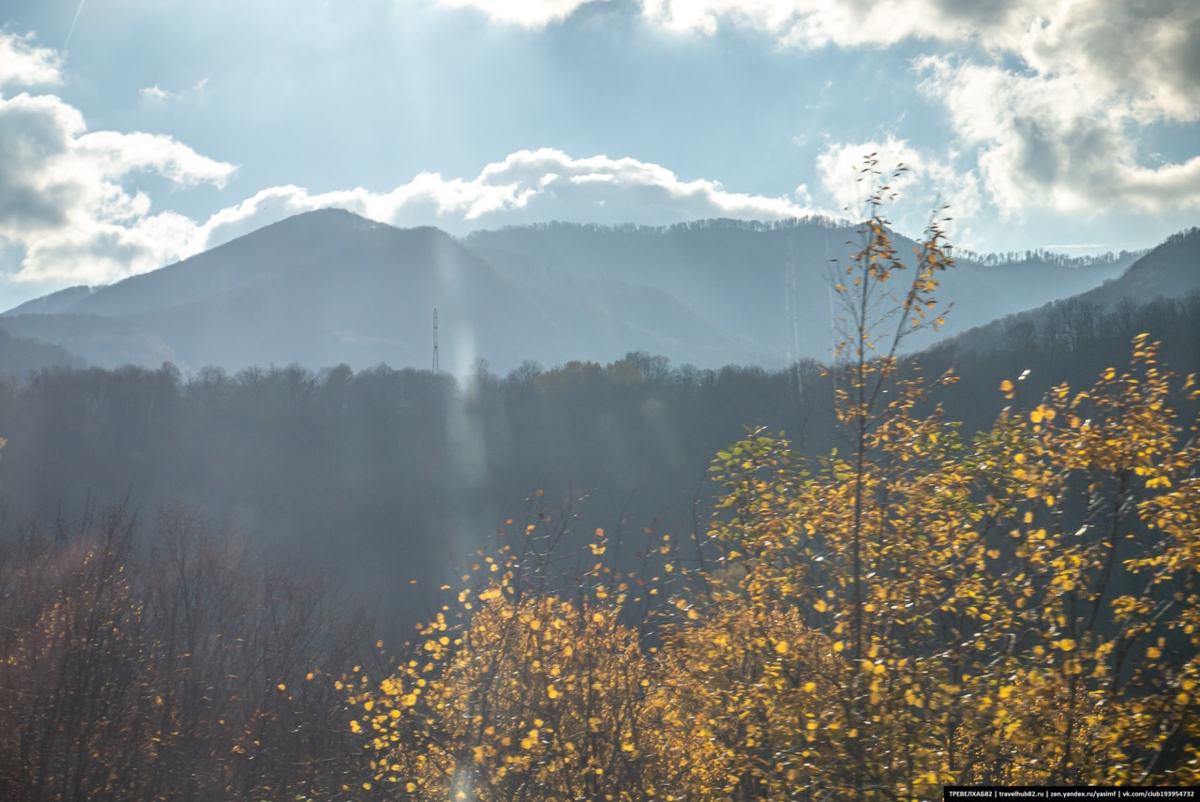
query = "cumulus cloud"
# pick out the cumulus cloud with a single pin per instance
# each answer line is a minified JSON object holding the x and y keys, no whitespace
{"x":24,"y":64}
{"x":808,"y":23}
{"x":1052,"y":94}
{"x":70,"y":212}
{"x":1150,"y":51}
{"x":926,"y":185}
{"x":1053,"y":140}
{"x":526,"y":13}
{"x":527,"y":186}
{"x":1147,"y":54}
{"x":65,"y":204}
{"x":846,"y":23}
{"x":1052,"y":98}
{"x":88,"y":230}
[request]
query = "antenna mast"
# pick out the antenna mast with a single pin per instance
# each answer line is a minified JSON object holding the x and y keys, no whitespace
{"x":435,"y":343}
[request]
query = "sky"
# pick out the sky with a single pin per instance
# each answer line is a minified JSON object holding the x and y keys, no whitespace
{"x":134,"y":133}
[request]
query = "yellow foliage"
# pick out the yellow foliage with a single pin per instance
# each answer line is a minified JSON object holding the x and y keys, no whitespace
{"x":920,"y":611}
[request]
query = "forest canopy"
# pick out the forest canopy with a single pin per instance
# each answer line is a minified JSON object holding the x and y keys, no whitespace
{"x":956,"y":571}
{"x":1017,"y":606}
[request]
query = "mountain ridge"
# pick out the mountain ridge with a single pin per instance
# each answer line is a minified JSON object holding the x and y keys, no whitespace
{"x":328,"y":286}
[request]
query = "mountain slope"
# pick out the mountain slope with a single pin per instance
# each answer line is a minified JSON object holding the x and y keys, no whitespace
{"x":53,"y":303}
{"x":771,"y":282}
{"x":328,"y":287}
{"x":1169,"y":271}
{"x":19,"y":355}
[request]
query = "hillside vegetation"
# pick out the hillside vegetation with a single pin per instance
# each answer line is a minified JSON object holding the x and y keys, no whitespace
{"x":963,"y":566}
{"x":1017,"y":607}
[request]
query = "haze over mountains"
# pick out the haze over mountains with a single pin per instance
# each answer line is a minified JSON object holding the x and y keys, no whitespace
{"x":329,"y":287}
{"x":1168,"y":271}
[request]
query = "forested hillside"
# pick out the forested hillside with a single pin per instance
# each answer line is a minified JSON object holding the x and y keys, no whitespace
{"x":588,"y":401}
{"x":392,"y":475}
{"x":899,"y":558}
{"x":20,"y":355}
{"x":329,"y":287}
{"x":1016,"y":606}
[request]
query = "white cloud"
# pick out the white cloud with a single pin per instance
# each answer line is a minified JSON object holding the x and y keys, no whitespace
{"x":526,"y":13}
{"x":803,"y":23}
{"x":1052,"y":94}
{"x":1148,"y":51}
{"x":1054,"y":140}
{"x":155,"y":93}
{"x":23,"y":64}
{"x":65,"y":204}
{"x":926,"y":185}
{"x":1147,"y":54}
{"x":527,"y":186}
{"x":816,"y":23}
{"x":69,"y":211}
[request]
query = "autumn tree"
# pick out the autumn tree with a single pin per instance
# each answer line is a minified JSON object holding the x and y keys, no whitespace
{"x":185,"y":670}
{"x":923,"y":607}
{"x":1004,"y":608}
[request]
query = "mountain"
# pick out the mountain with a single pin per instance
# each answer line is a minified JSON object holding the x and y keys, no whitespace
{"x":770,"y":282}
{"x":53,"y":303}
{"x":19,"y":355}
{"x":1169,"y":271}
{"x":328,"y":287}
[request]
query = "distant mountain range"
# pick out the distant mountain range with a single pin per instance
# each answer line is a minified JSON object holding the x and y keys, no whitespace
{"x":329,"y":287}
{"x":771,"y":282}
{"x":1171,"y":270}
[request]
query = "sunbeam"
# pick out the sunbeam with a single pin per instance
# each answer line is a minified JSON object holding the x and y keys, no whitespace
{"x":74,"y":22}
